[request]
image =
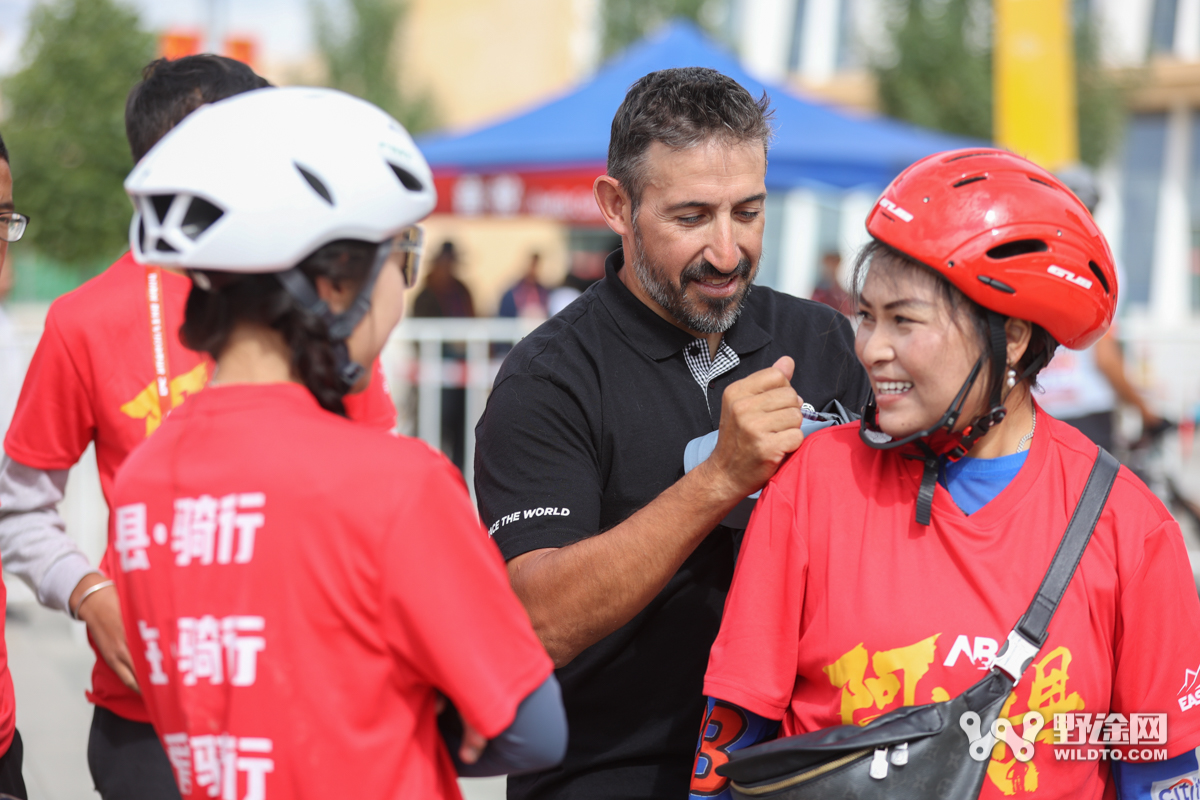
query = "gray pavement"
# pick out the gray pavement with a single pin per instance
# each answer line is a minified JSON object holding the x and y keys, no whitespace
{"x":51,"y":666}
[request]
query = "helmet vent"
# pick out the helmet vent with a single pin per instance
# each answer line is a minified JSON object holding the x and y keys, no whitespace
{"x":1018,"y":248}
{"x":409,"y":180}
{"x":162,"y":245}
{"x":968,"y":155}
{"x":316,"y":183}
{"x":200,"y":216}
{"x":162,"y":204}
{"x":966,"y":181}
{"x":995,"y":284}
{"x":1095,"y":268}
{"x":1042,"y":182}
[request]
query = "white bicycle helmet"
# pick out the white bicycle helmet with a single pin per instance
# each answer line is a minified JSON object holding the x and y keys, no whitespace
{"x":258,"y":182}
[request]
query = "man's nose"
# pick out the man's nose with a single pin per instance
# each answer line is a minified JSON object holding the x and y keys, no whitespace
{"x":722,"y":251}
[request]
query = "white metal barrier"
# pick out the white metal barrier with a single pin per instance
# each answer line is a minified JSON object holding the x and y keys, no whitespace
{"x":425,"y":358}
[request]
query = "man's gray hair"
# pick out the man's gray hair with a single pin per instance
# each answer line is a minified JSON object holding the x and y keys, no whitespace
{"x":681,"y":108}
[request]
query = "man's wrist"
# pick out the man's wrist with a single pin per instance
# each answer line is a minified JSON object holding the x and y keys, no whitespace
{"x":718,"y":487}
{"x":81,"y":588}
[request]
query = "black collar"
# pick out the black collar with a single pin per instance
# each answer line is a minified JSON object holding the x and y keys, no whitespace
{"x":652,"y":334}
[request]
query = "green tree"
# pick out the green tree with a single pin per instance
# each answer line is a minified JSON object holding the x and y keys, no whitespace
{"x":360,"y":57}
{"x":937,"y":72}
{"x":626,"y":21}
{"x":939,"y":78}
{"x":65,"y":127}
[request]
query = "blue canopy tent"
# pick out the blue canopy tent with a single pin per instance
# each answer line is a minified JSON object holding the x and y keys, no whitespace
{"x":534,"y":162}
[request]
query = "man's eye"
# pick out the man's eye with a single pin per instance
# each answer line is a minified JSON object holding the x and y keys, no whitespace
{"x":690,"y":219}
{"x":749,"y":215}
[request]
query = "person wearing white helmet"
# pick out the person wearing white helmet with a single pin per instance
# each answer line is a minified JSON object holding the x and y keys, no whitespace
{"x":109,"y":366}
{"x":301,"y":592}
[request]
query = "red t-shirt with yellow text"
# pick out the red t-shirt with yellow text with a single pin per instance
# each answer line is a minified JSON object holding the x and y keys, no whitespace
{"x":92,"y":378}
{"x":297,"y":590}
{"x":844,"y":608}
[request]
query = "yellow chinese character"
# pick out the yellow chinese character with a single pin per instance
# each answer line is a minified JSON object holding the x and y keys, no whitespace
{"x":1048,"y":695}
{"x":897,"y":673}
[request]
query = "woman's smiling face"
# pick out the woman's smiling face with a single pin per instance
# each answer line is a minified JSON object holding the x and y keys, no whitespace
{"x":916,"y":349}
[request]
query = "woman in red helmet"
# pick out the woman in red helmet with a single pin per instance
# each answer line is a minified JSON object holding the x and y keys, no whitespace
{"x":885,"y":565}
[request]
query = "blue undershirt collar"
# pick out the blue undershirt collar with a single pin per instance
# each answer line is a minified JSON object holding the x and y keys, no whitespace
{"x":975,"y":482}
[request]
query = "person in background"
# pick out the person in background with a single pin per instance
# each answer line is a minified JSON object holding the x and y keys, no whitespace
{"x":1082,"y":388}
{"x":11,"y":367}
{"x":12,"y":227}
{"x":586,"y":268}
{"x":108,"y":370}
{"x":445,"y":295}
{"x":527,"y":297}
{"x":829,"y":288}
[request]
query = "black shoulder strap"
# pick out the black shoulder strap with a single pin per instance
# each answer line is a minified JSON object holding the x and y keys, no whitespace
{"x":1030,"y":632}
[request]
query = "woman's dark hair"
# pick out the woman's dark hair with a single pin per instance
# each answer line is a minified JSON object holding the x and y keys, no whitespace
{"x":1041,"y":344}
{"x":211,"y":315}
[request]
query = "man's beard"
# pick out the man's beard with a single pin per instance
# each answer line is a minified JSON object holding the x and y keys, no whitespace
{"x":703,"y":314}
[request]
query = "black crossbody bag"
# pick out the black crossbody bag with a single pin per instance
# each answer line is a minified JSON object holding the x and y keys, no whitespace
{"x":923,"y":751}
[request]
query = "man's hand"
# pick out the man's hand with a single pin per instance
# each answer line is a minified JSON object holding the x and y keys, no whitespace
{"x":102,"y":613}
{"x":578,"y":594}
{"x":760,"y":426}
{"x":472,"y":744}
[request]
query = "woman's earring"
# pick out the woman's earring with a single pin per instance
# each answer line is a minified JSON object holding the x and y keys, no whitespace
{"x":1012,"y":378}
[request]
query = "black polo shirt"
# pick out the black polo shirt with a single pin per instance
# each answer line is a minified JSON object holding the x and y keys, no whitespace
{"x":586,"y":424}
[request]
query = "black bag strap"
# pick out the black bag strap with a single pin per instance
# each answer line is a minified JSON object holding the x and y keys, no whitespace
{"x":1029,"y":635}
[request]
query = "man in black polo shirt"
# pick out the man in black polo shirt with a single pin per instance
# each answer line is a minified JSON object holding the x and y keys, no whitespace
{"x":618,"y":556}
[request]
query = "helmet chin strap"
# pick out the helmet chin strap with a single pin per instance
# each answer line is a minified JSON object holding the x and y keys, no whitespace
{"x":940,"y":438}
{"x":341,"y":325}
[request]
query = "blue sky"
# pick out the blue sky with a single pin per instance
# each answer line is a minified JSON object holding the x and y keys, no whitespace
{"x":281,"y":26}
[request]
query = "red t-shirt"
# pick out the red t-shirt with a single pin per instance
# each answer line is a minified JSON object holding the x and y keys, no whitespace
{"x":844,"y":608}
{"x":297,"y":589}
{"x":93,"y":378}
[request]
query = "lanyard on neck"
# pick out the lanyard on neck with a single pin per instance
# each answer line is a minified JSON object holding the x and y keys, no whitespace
{"x":162,"y":367}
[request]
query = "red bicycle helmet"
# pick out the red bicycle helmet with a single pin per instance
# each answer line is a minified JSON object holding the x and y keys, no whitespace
{"x":1008,"y":234}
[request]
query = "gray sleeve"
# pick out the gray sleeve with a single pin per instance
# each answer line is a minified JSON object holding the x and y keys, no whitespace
{"x":536,"y":739}
{"x":34,"y":544}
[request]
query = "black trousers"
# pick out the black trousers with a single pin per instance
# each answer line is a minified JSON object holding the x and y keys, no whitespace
{"x":127,"y":760}
{"x":12,"y":784}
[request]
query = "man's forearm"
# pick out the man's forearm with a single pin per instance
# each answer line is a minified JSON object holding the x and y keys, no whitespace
{"x":1111,"y":363}
{"x":578,"y":594}
{"x":34,"y":544}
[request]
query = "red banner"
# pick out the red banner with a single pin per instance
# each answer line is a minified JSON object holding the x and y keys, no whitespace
{"x":178,"y":43}
{"x":564,"y":195}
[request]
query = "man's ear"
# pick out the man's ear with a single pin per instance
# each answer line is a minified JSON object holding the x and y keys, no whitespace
{"x":614,"y":204}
